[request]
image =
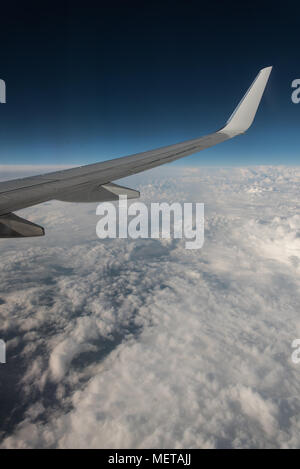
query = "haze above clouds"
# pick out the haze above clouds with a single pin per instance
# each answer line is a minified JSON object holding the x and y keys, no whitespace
{"x":144,"y":344}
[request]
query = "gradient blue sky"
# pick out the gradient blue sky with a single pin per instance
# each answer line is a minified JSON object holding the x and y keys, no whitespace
{"x":88,"y":82}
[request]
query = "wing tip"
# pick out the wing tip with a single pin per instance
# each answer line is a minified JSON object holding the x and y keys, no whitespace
{"x":269,"y":67}
{"x":244,"y":114}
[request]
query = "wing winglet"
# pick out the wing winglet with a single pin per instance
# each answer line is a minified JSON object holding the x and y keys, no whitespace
{"x":243,"y":116}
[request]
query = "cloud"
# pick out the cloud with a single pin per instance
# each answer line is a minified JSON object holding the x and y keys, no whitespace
{"x":134,"y":344}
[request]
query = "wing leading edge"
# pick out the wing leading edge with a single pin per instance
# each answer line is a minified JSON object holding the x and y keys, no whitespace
{"x":92,"y":183}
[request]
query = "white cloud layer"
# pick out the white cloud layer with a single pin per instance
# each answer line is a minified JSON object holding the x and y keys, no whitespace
{"x":144,"y":344}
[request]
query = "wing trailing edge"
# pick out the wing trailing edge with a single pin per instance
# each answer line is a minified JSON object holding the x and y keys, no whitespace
{"x":96,"y":193}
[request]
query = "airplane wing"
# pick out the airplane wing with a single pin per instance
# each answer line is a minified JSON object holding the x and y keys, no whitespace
{"x":93,"y":183}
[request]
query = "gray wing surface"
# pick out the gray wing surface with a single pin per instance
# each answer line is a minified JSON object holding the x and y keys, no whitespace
{"x":93,"y":183}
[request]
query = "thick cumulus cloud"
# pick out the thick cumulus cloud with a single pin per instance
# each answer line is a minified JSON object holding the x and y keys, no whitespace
{"x":142,"y":343}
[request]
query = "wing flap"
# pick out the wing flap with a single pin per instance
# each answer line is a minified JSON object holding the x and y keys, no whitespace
{"x":92,"y":193}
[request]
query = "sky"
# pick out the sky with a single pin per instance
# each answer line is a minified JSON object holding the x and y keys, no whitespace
{"x":88,"y":81}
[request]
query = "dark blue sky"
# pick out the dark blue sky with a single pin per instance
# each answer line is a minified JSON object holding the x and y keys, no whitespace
{"x":87,"y":81}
